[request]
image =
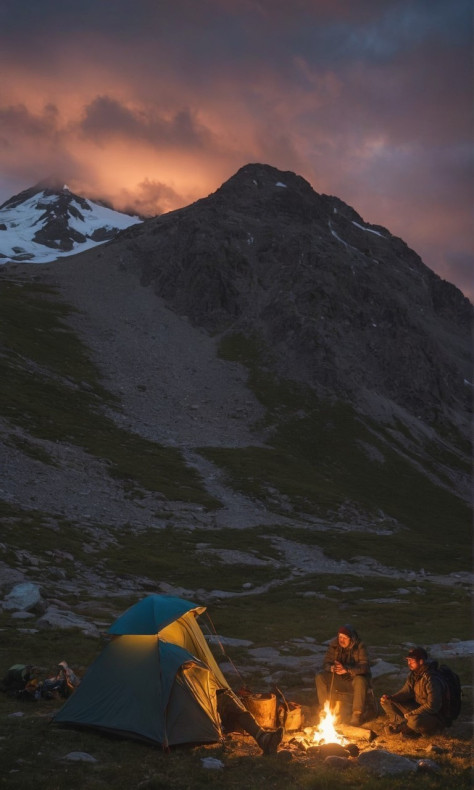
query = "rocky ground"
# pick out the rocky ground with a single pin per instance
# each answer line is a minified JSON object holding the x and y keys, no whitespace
{"x":173,"y":389}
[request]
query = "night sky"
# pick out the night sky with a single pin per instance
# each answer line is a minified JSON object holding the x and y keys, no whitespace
{"x":152,"y":104}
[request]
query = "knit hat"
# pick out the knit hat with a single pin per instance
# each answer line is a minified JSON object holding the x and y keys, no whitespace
{"x":346,"y":630}
{"x":418,"y":653}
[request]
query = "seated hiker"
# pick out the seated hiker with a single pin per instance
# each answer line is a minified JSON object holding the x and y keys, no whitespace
{"x":416,"y":709}
{"x":345,"y":669}
{"x":234,"y":715}
{"x":61,"y":684}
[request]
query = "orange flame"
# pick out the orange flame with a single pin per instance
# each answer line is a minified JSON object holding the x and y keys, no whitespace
{"x":326,"y":730}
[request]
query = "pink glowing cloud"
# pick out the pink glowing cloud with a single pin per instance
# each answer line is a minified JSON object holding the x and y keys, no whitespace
{"x":155,"y":105}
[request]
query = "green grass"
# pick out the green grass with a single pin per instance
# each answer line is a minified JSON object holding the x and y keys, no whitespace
{"x":35,"y":532}
{"x":32,"y":749}
{"x":32,"y":752}
{"x":171,"y":555}
{"x":50,"y":388}
{"x":316,"y":459}
{"x":436,"y":614}
{"x":33,"y":329}
{"x":404,"y":549}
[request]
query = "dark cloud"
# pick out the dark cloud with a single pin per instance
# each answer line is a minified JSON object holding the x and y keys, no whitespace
{"x":105,"y":118}
{"x":153,"y":103}
{"x":18,"y":120}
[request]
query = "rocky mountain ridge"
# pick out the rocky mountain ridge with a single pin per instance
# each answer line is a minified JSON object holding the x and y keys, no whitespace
{"x":342,"y":305}
{"x":264,"y":257}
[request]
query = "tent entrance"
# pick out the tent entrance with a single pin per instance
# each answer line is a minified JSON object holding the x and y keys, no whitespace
{"x":191,"y":714}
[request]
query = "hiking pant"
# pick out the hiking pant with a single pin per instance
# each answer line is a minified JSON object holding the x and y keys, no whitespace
{"x":423,"y":723}
{"x":53,"y":685}
{"x":355,"y":686}
{"x":234,"y":715}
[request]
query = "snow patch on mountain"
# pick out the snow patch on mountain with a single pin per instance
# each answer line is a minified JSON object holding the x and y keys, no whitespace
{"x":42,"y":224}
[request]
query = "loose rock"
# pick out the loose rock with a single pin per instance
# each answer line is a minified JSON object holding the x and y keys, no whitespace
{"x":384,"y":763}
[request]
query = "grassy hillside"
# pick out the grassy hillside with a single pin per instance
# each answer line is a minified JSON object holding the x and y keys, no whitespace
{"x":50,"y":388}
{"x":323,"y":457}
{"x":332,"y":481}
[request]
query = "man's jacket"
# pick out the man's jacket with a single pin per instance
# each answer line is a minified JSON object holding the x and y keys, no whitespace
{"x":354,"y":658}
{"x":424,"y":687}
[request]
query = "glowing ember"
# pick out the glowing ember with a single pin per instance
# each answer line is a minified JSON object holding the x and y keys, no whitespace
{"x":326,"y":730}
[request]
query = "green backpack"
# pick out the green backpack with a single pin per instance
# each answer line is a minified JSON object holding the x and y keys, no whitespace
{"x":17,"y":677}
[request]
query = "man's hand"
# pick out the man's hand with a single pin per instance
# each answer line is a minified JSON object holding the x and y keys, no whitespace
{"x":339,"y":669}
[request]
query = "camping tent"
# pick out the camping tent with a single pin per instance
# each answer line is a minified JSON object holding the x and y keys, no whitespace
{"x":156,"y":679}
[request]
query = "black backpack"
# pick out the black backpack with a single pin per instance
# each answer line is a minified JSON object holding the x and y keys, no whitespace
{"x":452,"y":694}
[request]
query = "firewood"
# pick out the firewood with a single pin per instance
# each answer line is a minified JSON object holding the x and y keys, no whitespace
{"x":357,"y":733}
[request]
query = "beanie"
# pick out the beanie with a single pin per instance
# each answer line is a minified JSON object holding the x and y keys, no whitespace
{"x":346,"y":631}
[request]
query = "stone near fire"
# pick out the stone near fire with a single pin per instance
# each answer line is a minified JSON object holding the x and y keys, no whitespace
{"x":341,"y":763}
{"x":333,"y":749}
{"x":384,"y":763}
{"x":428,"y":766}
{"x":353,"y":749}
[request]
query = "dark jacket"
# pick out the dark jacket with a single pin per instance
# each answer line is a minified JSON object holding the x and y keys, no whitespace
{"x":425,"y":687}
{"x":354,"y":658}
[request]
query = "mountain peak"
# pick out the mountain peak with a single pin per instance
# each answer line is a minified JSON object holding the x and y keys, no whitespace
{"x":47,"y":220}
{"x":344,"y":306}
{"x":52,"y":184}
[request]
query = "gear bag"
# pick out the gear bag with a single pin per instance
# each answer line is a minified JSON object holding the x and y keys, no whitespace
{"x":452,"y":693}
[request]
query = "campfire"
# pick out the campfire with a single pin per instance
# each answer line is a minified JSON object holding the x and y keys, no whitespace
{"x":326,"y":731}
{"x":331,"y":736}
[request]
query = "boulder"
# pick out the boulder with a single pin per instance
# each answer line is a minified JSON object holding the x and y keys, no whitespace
{"x":428,"y":766}
{"x":384,"y":763}
{"x":23,"y":597}
{"x":56,"y":618}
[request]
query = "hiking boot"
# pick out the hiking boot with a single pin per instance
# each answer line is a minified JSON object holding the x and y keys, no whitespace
{"x":393,"y":729}
{"x":356,"y":720}
{"x":270,"y":741}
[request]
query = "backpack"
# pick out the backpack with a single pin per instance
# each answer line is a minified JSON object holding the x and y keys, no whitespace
{"x":452,"y":694}
{"x":16,"y":678}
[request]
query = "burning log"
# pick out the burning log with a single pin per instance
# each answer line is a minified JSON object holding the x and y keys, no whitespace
{"x":357,"y":733}
{"x":327,"y":749}
{"x":329,"y":733}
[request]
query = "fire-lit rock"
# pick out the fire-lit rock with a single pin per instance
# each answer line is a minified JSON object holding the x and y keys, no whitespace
{"x":328,"y":749}
{"x":341,"y":763}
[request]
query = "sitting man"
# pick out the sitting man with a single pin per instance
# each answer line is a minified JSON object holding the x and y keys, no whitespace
{"x":346,"y":669}
{"x":62,"y":684}
{"x":416,"y":708}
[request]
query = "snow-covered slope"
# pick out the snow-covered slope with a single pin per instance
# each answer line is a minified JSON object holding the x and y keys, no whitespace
{"x":48,"y":221}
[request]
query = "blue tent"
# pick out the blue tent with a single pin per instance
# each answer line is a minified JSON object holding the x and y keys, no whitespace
{"x":156,"y":680}
{"x":153,"y":613}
